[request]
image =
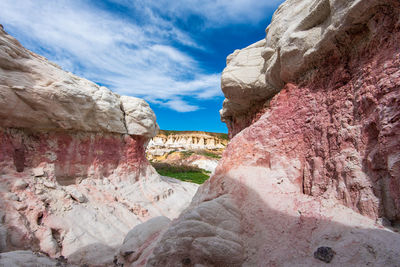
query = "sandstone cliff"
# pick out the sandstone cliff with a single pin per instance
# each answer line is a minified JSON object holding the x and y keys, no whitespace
{"x":312,"y":174}
{"x":73,"y":174}
{"x":191,"y":148}
{"x":167,"y":141}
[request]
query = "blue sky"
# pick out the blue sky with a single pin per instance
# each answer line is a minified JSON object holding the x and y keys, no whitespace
{"x":170,"y":53}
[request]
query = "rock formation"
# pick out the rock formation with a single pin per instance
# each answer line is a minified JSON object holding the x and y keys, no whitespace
{"x":73,"y":174}
{"x":191,"y":148}
{"x":167,"y":141}
{"x":312,"y":174}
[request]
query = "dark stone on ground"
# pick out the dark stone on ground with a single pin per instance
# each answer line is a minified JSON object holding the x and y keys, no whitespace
{"x":324,"y":254}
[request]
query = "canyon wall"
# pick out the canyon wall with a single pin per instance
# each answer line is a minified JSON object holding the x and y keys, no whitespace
{"x":312,"y":173}
{"x":73,"y":173}
{"x":167,"y":141}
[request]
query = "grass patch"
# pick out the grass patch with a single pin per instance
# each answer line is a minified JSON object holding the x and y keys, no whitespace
{"x":209,"y":154}
{"x":181,"y":172}
{"x":187,"y":153}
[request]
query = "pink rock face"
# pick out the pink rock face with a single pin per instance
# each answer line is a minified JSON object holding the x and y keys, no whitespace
{"x":342,"y":125}
{"x":74,"y":155}
{"x":76,"y":194}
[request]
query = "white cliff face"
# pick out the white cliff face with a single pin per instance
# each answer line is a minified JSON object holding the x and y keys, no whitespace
{"x":163,"y":143}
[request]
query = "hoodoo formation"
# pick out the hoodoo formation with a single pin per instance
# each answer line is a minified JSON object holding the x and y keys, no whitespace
{"x":310,"y":177}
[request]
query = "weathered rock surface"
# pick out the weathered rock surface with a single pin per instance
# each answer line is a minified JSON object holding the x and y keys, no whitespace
{"x":22,"y":258}
{"x":74,"y":178}
{"x":315,"y":166}
{"x":338,"y":110}
{"x":139,"y":242}
{"x":37,"y":94}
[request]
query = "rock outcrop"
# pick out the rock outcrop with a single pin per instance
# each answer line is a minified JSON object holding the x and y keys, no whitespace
{"x":167,"y":141}
{"x":189,"y":148}
{"x":338,"y":108}
{"x":74,"y":178}
{"x":312,"y":174}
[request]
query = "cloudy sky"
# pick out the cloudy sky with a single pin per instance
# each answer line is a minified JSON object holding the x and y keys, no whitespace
{"x":169,"y":52}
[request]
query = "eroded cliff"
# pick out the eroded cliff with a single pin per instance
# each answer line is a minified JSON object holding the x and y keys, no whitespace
{"x":312,"y":173}
{"x":73,"y":173}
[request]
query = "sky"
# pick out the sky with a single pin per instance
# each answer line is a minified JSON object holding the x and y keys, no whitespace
{"x":169,"y":52}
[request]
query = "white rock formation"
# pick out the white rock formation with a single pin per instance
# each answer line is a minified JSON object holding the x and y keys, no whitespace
{"x":38,"y":94}
{"x":243,"y":74}
{"x":73,"y":174}
{"x":139,"y":242}
{"x":139,"y":117}
{"x":206,"y":164}
{"x":165,"y":142}
{"x":301,"y":31}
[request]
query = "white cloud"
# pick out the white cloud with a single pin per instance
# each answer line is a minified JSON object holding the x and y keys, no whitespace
{"x":181,"y":106}
{"x":112,"y":50}
{"x":215,"y":13}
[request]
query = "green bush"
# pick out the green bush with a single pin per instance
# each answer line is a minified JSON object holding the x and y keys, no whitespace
{"x":181,"y":172}
{"x":209,"y":154}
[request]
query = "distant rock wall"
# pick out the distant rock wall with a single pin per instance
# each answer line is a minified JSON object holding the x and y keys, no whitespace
{"x":166,"y":141}
{"x":187,"y":148}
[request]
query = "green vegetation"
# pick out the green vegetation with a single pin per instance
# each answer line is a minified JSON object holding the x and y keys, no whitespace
{"x":172,"y":151}
{"x":182,"y":172}
{"x":209,"y":154}
{"x":187,"y":153}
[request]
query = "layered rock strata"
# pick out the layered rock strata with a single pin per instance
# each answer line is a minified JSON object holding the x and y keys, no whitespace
{"x":312,"y":173}
{"x":192,"y":148}
{"x":74,"y":178}
{"x":166,"y":142}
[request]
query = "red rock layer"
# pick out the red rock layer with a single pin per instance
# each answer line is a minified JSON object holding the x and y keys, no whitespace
{"x":72,"y":155}
{"x":341,"y":121}
{"x":237,"y":123}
